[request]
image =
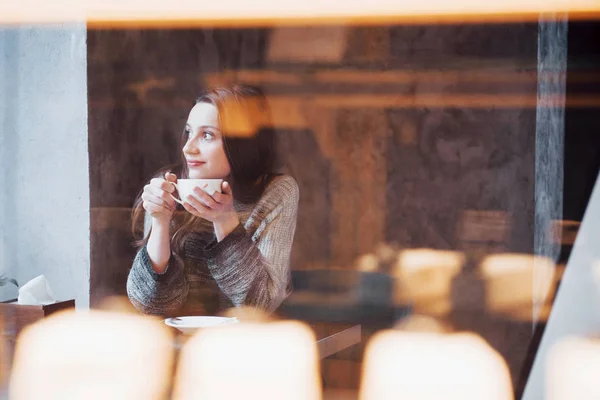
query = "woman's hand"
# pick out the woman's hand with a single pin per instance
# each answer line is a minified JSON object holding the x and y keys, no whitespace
{"x":217,"y":209}
{"x":157,"y":200}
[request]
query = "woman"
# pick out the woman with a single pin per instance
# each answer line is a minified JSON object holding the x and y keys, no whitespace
{"x":228,"y":249}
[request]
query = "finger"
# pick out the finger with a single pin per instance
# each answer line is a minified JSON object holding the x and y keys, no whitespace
{"x":198,"y":212}
{"x":148,"y":197}
{"x":219,"y":198}
{"x":205,"y":198}
{"x":162,"y":184}
{"x":226,"y":188}
{"x":155,"y":209}
{"x":171,"y":177}
{"x":222,"y":198}
{"x":168,"y":203}
{"x":168,"y":186}
{"x":226,"y":196}
{"x":158,"y":192}
{"x":171,"y":202}
{"x":194,"y":202}
{"x":190,"y":209}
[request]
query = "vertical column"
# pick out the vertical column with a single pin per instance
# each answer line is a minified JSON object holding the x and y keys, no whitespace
{"x":549,"y":141}
{"x":575,"y":297}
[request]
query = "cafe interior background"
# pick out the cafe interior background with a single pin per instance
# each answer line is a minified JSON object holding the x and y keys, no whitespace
{"x":462,"y":140}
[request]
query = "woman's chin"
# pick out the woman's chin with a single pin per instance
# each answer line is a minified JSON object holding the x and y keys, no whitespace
{"x":199,"y":175}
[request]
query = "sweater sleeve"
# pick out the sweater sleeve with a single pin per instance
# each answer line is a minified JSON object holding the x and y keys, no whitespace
{"x":254,"y":270}
{"x":156,"y":294}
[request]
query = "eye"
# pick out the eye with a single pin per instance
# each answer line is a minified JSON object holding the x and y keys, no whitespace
{"x":186,"y":133}
{"x":208,"y":135}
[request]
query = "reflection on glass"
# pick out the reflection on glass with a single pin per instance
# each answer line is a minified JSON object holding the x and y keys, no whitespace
{"x":518,"y":285}
{"x":268,"y":361}
{"x":573,"y":365}
{"x":425,"y":276}
{"x":433,"y":366}
{"x":94,"y":356}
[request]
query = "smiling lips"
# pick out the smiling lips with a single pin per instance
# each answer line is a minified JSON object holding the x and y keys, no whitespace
{"x":194,"y":164}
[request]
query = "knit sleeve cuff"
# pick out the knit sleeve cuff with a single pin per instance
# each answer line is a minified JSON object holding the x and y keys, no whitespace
{"x":143,"y":261}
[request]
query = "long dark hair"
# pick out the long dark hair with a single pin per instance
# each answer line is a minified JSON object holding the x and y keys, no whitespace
{"x":249,"y":142}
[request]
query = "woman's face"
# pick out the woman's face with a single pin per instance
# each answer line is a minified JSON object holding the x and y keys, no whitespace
{"x":204,"y":150}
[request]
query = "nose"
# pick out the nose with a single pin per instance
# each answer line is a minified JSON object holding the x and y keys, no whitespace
{"x":190,"y":147}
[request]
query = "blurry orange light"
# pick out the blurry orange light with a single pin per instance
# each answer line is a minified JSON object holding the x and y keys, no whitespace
{"x":93,"y":356}
{"x":517,"y":284}
{"x":250,"y":361}
{"x":429,"y":366}
{"x":236,"y":12}
{"x":573,"y":368}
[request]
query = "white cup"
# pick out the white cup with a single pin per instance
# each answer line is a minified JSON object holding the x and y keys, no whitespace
{"x":185,"y":187}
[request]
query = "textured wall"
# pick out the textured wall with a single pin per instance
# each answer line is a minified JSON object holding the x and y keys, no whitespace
{"x":45,"y":182}
{"x":549,"y":138}
{"x":8,"y":89}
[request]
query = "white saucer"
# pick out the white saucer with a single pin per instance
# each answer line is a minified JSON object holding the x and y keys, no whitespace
{"x":189,"y":325}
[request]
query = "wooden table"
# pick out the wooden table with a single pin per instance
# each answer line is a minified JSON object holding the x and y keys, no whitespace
{"x":333,"y":338}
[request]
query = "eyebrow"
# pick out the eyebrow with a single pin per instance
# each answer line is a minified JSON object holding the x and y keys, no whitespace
{"x":204,"y":127}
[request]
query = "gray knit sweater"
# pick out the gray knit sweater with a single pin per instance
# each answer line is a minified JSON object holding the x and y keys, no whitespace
{"x":248,"y":267}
